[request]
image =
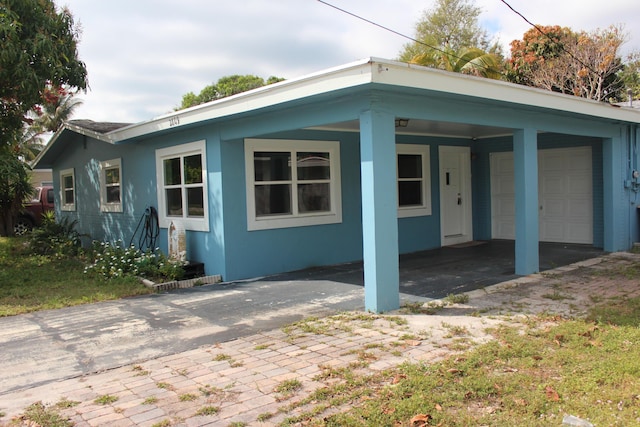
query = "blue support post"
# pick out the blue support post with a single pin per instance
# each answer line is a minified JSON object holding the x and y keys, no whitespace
{"x":525,"y":158}
{"x":613,"y":180}
{"x":379,"y":211}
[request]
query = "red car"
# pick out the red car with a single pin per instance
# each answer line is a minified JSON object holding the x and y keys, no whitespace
{"x":31,"y":214}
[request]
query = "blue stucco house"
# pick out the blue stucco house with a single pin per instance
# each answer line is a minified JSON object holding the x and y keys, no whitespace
{"x":365,"y":161}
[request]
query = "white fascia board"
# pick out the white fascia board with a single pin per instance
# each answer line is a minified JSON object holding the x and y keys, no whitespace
{"x":350,"y":75}
{"x":415,"y":76}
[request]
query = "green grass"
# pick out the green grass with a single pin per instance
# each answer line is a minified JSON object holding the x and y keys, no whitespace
{"x":526,"y":376}
{"x":33,"y":282}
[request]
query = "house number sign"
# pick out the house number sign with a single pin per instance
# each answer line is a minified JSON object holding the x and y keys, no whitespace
{"x":174,"y":121}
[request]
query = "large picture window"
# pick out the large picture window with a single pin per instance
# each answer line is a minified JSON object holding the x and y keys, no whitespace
{"x":110,"y":186}
{"x":67,"y":190}
{"x":292,"y":183}
{"x":182,"y":186}
{"x":414,"y":180}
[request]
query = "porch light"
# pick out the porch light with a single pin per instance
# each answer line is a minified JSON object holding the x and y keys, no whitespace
{"x":402,"y":123}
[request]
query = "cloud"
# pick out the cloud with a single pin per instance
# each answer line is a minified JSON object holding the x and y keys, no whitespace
{"x":143,"y":55}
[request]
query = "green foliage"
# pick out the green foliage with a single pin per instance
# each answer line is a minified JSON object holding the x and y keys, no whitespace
{"x":226,"y":86}
{"x":450,"y":26}
{"x":38,"y":46}
{"x":58,"y":239}
{"x":112,"y":260}
{"x":630,"y":75}
{"x":14,"y":188}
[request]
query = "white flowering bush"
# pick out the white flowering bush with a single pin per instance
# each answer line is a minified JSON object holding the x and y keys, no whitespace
{"x":111,"y":260}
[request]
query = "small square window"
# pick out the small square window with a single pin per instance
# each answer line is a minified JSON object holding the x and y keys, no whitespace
{"x":414,"y":183}
{"x":111,"y":185}
{"x":67,"y":190}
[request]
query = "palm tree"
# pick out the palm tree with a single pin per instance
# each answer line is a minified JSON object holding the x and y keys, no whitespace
{"x":472,"y":60}
{"x":57,"y":108}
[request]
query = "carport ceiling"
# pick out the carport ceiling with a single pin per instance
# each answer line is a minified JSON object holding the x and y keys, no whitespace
{"x":432,"y":128}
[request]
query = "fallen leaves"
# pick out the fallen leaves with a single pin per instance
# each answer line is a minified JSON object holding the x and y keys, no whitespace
{"x":420,"y":420}
{"x":551,"y":394}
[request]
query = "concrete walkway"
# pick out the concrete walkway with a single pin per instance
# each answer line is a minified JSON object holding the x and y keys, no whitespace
{"x":222,"y":383}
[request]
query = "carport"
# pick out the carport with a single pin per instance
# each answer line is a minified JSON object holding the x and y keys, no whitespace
{"x":453,"y":269}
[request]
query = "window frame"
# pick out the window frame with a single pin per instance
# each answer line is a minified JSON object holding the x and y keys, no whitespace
{"x":181,"y":151}
{"x":295,"y":218}
{"x":105,"y":206}
{"x":70,"y":207}
{"x":423,"y":209}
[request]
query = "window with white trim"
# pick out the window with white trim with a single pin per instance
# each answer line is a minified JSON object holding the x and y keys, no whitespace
{"x":414,"y":180}
{"x":67,"y":190}
{"x":111,"y":185}
{"x":182,"y":186}
{"x":292,"y":183}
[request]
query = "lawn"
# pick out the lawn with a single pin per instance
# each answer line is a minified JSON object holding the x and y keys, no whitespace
{"x":31,"y":282}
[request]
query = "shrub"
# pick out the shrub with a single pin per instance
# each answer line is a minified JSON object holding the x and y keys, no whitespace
{"x":115,"y":260}
{"x":55,"y":238}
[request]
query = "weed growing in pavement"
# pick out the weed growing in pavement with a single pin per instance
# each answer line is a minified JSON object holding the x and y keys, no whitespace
{"x":456,"y":299}
{"x":140,"y":371}
{"x":39,"y":414}
{"x":262,"y":346}
{"x":287,"y":388}
{"x":164,"y":386}
{"x":106,"y":399}
{"x":65,"y":403}
{"x":455,"y":330}
{"x":556,"y":296}
{"x":150,"y":400}
{"x":163,"y":423}
{"x":221,"y":357}
{"x":207,"y":410}
{"x":187,"y":397}
{"x":264,"y":417}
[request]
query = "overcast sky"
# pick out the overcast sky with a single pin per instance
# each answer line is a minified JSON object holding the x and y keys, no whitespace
{"x":143,"y":55}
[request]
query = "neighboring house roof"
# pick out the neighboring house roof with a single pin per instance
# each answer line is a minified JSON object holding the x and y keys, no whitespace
{"x":100,"y":127}
{"x":383,"y":74}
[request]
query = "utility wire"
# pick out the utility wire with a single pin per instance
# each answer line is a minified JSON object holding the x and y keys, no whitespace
{"x":550,"y":38}
{"x":398,"y":33}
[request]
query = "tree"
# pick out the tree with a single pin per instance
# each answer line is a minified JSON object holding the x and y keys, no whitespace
{"x":14,"y":188}
{"x":226,"y":86}
{"x":630,"y":75}
{"x":38,"y":47}
{"x":57,"y":107}
{"x":451,"y":26}
{"x":584,"y":64}
{"x":473,"y":61}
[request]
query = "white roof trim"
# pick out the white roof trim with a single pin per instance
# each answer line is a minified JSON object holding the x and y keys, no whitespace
{"x":370,"y":70}
{"x":403,"y":74}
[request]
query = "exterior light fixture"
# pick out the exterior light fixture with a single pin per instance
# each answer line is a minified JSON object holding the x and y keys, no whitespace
{"x":402,"y":123}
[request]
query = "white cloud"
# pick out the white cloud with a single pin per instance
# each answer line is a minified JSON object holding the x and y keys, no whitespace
{"x":143,"y":55}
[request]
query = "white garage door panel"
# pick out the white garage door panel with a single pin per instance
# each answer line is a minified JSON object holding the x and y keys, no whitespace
{"x":564,"y":195}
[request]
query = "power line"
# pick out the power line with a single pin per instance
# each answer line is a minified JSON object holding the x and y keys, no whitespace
{"x":399,"y":33}
{"x":550,"y":38}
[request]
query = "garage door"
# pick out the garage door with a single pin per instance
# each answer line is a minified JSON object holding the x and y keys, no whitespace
{"x":564,"y":194}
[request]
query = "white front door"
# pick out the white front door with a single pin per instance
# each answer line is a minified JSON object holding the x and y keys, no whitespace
{"x":565,"y":195}
{"x":455,"y":195}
